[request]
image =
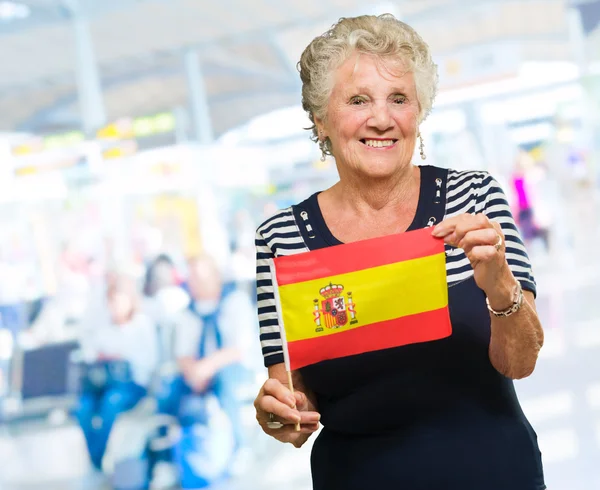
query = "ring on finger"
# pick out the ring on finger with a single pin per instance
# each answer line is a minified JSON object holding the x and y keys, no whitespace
{"x":498,"y":244}
{"x":272,"y":423}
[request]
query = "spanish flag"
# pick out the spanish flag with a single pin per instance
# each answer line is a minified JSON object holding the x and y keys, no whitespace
{"x":361,"y":297}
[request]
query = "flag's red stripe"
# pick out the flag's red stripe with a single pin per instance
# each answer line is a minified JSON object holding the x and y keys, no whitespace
{"x":423,"y":327}
{"x":341,"y":259}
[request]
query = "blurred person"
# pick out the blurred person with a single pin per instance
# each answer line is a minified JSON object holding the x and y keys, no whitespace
{"x":164,"y":292}
{"x":209,"y":349}
{"x":160,"y":273}
{"x":226,"y":356}
{"x":65,"y":312}
{"x":178,"y":332}
{"x":531,"y":202}
{"x":120,"y":358}
{"x":440,"y":414}
{"x":166,"y":301}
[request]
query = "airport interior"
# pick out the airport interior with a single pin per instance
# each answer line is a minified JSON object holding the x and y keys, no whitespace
{"x":143,"y":142}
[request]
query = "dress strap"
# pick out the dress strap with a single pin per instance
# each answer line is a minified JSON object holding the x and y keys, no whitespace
{"x":435,"y":194}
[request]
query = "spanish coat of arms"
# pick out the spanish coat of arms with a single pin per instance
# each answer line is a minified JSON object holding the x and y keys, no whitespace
{"x":335,"y":309}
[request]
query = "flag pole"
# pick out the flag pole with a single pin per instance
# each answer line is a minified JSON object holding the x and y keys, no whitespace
{"x":284,"y":346}
{"x":289,"y":374}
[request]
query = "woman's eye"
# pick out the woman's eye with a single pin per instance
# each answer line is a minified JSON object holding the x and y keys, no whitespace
{"x":357,"y":101}
{"x":399,"y":99}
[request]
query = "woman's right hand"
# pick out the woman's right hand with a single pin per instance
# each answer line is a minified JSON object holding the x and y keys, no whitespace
{"x":287,"y":408}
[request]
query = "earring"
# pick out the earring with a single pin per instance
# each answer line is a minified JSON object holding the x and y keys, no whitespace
{"x":421,"y":146}
{"x":322,"y":146}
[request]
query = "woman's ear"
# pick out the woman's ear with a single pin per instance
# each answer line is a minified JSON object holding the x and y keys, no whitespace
{"x":320,"y":129}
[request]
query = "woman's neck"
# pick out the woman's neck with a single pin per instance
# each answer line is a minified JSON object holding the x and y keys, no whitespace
{"x":376,"y":196}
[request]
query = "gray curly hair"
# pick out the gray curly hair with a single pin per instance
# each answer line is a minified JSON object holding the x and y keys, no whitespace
{"x":383,"y":36}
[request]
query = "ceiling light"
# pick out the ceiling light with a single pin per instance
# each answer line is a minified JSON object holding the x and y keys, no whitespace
{"x":12,"y":11}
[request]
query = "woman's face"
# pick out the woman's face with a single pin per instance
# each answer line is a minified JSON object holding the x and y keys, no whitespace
{"x":371,"y":117}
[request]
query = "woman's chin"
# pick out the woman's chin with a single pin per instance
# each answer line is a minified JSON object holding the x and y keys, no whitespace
{"x":379,"y":172}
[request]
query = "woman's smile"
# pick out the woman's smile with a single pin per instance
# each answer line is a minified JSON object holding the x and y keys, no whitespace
{"x":379,"y":144}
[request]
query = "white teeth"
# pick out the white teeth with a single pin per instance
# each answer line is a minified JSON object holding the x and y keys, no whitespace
{"x":379,"y":143}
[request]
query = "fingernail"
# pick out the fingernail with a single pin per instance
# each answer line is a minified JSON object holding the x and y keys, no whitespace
{"x":449,"y":239}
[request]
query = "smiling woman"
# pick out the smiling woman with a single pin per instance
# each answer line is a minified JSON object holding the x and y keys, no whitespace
{"x":371,"y":120}
{"x":396,"y":47}
{"x":427,"y":415}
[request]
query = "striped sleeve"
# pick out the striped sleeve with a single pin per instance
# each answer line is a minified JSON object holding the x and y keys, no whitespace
{"x":492,"y":201}
{"x":277,"y":236}
{"x":461,"y":197}
{"x":270,"y":339}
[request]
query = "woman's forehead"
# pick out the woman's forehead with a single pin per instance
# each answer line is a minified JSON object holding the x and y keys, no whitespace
{"x":360,"y":69}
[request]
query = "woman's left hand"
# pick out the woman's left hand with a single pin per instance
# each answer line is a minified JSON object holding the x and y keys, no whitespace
{"x":483,"y":242}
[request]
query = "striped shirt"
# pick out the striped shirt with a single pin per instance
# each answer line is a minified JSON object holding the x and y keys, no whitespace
{"x":466,"y":192}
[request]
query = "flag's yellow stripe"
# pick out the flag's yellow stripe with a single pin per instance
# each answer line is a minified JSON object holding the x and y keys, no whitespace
{"x":379,"y":294}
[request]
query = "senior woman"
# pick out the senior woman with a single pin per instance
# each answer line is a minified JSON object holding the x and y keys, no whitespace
{"x":434,"y":415}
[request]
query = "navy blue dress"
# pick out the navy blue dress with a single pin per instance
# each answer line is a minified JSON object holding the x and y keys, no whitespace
{"x":428,"y":416}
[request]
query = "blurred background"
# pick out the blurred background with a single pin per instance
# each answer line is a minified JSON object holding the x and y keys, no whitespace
{"x":142,"y":142}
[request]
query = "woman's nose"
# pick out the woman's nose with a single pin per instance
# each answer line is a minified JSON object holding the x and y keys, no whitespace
{"x":381,"y":118}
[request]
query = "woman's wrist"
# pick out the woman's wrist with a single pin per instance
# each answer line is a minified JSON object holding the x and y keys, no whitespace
{"x":501,"y":295}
